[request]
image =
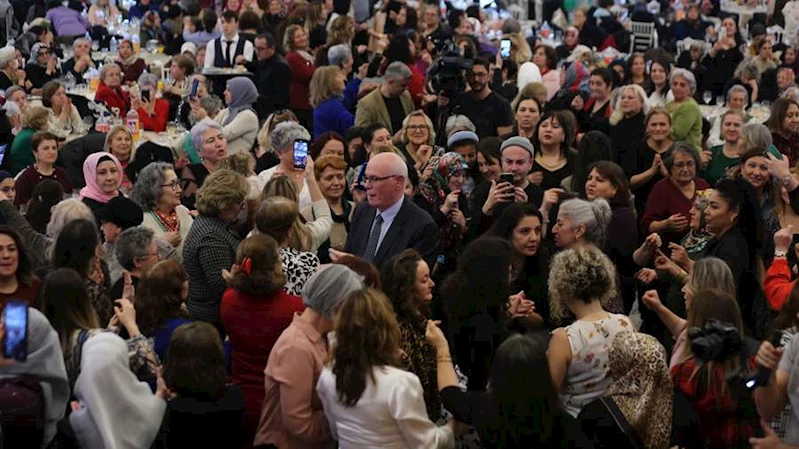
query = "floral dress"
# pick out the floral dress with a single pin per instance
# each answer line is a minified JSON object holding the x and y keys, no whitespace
{"x":588,"y":375}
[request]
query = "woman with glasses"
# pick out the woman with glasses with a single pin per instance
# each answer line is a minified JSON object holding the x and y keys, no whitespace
{"x":669,"y":204}
{"x":157,"y":191}
{"x":418,"y":140}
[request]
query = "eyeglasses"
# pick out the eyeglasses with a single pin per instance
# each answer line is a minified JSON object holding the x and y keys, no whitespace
{"x":174,"y":185}
{"x":144,"y":256}
{"x":374,"y":179}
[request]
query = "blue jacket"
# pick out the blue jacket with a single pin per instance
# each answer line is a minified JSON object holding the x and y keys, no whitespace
{"x":332,"y":115}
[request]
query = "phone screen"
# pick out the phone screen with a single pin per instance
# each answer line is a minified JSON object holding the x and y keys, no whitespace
{"x":300,"y":153}
{"x":504,"y":48}
{"x":15,"y":319}
{"x":195,"y":84}
{"x":145,"y":93}
{"x":2,"y":152}
{"x":506,"y":177}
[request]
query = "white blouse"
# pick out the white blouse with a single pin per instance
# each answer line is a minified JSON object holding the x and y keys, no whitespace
{"x":390,"y":414}
{"x":241,"y":132}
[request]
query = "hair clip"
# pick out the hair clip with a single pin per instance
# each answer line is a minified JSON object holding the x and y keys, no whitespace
{"x":246,"y":266}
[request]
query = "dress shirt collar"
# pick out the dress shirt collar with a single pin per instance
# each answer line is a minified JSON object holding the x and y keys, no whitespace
{"x":389,"y":214}
{"x":234,"y":39}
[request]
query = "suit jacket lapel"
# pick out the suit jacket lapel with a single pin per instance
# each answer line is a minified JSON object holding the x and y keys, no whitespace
{"x":393,"y":231}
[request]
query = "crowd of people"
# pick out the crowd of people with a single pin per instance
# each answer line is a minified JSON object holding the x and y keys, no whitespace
{"x":399,"y":225}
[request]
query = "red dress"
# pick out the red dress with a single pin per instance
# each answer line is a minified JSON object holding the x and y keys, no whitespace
{"x":156,"y":122}
{"x":29,"y":294}
{"x":254,"y":324}
{"x":113,"y":98}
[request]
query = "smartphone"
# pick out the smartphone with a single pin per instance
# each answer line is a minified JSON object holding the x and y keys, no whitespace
{"x":506,"y":177}
{"x":504,"y":48}
{"x":300,"y":153}
{"x":15,"y":319}
{"x":145,"y":93}
{"x":195,"y":84}
{"x":565,"y":195}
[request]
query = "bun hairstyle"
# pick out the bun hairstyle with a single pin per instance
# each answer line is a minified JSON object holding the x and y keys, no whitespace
{"x":594,"y":215}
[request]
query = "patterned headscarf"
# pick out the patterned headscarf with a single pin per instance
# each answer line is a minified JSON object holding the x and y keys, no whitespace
{"x":577,"y":77}
{"x":642,"y":386}
{"x":35,"y":51}
{"x":434,"y":182}
{"x":695,"y":241}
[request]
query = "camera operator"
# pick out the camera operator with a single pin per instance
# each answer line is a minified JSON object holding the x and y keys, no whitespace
{"x":489,"y":111}
{"x":712,"y":372}
{"x":772,"y":397}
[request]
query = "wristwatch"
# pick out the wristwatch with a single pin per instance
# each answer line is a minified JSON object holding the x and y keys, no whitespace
{"x":779,"y":253}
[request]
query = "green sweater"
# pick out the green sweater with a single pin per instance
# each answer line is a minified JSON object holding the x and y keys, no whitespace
{"x":686,"y":122}
{"x":21,"y":151}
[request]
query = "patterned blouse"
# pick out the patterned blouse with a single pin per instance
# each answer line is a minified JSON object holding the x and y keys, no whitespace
{"x":421,"y":360}
{"x":298,"y":266}
{"x":143,"y":361}
{"x":588,"y":376}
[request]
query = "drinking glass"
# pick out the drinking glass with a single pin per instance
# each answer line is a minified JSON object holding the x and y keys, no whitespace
{"x":707,"y":96}
{"x":720,"y":101}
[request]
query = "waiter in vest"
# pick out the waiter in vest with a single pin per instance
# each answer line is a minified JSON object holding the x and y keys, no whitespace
{"x":222,"y":52}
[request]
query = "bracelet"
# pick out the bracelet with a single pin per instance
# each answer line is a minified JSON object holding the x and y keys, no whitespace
{"x":780,"y":253}
{"x":444,"y":359}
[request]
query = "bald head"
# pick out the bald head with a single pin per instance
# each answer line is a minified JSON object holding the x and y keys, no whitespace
{"x":385,"y":178}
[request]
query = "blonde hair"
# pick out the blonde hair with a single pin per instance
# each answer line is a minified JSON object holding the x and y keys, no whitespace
{"x":274,"y":119}
{"x":431,"y":133}
{"x":221,"y":190}
{"x":529,"y":91}
{"x":288,"y":36}
{"x":240,"y":162}
{"x":341,"y":31}
{"x":283,"y":187}
{"x":617,"y":114}
{"x":323,"y":84}
{"x":583,"y":274}
{"x":523,"y":51}
{"x":36,"y":117}
{"x":110,"y":136}
{"x":64,"y":212}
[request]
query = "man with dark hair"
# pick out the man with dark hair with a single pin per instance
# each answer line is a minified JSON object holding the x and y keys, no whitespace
{"x":489,"y":111}
{"x":230,"y":49}
{"x":272,"y":76}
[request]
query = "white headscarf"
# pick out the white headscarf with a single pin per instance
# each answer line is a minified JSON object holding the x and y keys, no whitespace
{"x":46,"y":362}
{"x":116,"y":410}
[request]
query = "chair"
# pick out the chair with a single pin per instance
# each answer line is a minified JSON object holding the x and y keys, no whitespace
{"x":643,"y":36}
{"x":683,"y":45}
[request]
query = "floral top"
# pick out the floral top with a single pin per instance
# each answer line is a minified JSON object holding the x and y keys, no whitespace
{"x":588,"y":375}
{"x":297,"y":266}
{"x":420,"y":359}
{"x":143,"y":361}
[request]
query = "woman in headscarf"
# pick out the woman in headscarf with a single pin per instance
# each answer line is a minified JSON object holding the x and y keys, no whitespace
{"x":103,"y":175}
{"x":46,"y":363}
{"x":42,"y":67}
{"x":641,"y":389}
{"x":441,"y":195}
{"x":574,"y":83}
{"x":239,"y":120}
{"x":108,"y":391}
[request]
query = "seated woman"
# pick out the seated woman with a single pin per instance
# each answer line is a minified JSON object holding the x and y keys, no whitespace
{"x":239,"y":120}
{"x":209,"y":140}
{"x":367,"y":399}
{"x":81,"y":62}
{"x":64,"y":118}
{"x":153,"y":112}
{"x":75,"y":320}
{"x":580,"y":281}
{"x":178,"y":87}
{"x":708,"y":272}
{"x":101,"y":13}
{"x":157,"y":191}
{"x":103,"y":174}
{"x":203,"y":405}
{"x":36,"y":119}
{"x":43,"y":370}
{"x":106,"y":384}
{"x":330,"y":113}
{"x":291,"y":414}
{"x":703,"y":384}
{"x":330,"y":172}
{"x":17,"y":280}
{"x":160,"y":295}
{"x":41,"y":68}
{"x":255,"y":309}
{"x":45,"y":152}
{"x":11,"y":74}
{"x":129,"y":62}
{"x":110,"y":92}
{"x":119,"y":143}
{"x":736,"y":101}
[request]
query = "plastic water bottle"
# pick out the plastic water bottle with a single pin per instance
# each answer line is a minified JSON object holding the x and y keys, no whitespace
{"x":546,"y":30}
{"x":132,"y":119}
{"x":88,"y":36}
{"x":112,"y":46}
{"x":102,"y":125}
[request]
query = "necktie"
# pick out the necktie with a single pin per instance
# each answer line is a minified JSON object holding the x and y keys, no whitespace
{"x":374,"y":237}
{"x":230,"y":53}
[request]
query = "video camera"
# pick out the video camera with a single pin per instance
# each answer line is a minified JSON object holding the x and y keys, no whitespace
{"x":446,"y":74}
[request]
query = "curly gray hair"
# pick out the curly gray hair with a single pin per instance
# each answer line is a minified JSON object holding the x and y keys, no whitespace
{"x":685,"y":74}
{"x":582,"y":274}
{"x":337,"y":55}
{"x":284,"y":135}
{"x":132,"y":244}
{"x":147,"y":189}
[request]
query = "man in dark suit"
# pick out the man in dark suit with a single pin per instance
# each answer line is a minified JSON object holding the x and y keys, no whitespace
{"x":389,"y":222}
{"x":272,"y":76}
